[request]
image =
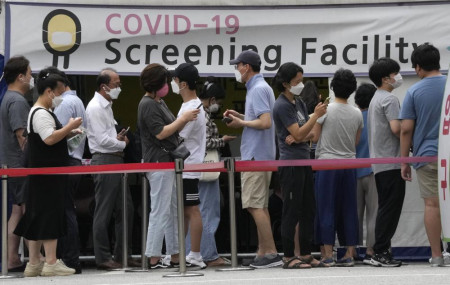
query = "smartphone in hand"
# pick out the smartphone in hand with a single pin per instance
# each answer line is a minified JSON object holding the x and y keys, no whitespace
{"x":327,"y":101}
{"x":227,"y":120}
{"x":124,"y":132}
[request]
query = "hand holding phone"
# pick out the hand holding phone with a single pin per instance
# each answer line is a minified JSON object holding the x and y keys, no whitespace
{"x":227,"y":120}
{"x":124,"y":132}
{"x":327,"y":101}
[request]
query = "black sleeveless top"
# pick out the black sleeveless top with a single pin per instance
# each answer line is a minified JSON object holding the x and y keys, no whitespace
{"x":45,"y":216}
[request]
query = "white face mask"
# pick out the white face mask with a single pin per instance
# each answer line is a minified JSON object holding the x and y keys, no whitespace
{"x":214,"y":108}
{"x":56,"y":101}
{"x":297,"y":89}
{"x":114,"y":93}
{"x":30,"y":83}
{"x":398,"y":81}
{"x":175,"y":87}
{"x":238,"y":75}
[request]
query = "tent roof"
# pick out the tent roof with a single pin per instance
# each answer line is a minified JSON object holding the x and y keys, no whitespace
{"x":218,"y":2}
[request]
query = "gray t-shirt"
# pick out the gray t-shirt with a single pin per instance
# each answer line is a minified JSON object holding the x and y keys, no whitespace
{"x":339,"y":128}
{"x":285,"y":114}
{"x":13,"y":116}
{"x":383,"y":108}
{"x":152,"y":117}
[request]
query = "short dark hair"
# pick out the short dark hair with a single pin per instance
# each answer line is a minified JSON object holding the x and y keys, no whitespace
{"x":255,"y":68}
{"x":310,"y":95}
{"x":104,"y":77}
{"x":285,"y":73}
{"x":47,"y":80}
{"x":381,"y":68}
{"x":427,"y":57}
{"x":343,"y":83}
{"x":15,"y":66}
{"x":212,"y":88}
{"x":364,"y":95}
{"x":153,"y":77}
{"x":55,"y":70}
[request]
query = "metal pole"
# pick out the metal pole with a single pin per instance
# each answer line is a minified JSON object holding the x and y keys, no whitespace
{"x":179,"y":165}
{"x":5,"y":228}
{"x":144,"y":197}
{"x":125,"y":221}
{"x":230,"y":164}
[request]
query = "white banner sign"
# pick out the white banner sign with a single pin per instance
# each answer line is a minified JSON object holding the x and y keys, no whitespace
{"x":444,"y":163}
{"x":84,"y":39}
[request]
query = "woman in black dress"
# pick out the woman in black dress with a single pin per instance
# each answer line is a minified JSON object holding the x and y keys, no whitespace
{"x":44,"y":219}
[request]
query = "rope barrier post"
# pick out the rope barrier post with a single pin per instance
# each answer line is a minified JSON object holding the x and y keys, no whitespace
{"x":144,"y":197}
{"x":5,"y":228}
{"x":125,"y":222}
{"x":230,"y":165}
{"x":179,"y":165}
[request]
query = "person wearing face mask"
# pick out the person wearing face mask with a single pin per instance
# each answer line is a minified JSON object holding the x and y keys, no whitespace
{"x":212,"y":96}
{"x":106,"y":146}
{"x":13,"y":121}
{"x":258,"y":143}
{"x":67,"y":106}
{"x":185,"y":78}
{"x":44,"y":221}
{"x":420,"y":117}
{"x":384,"y":132}
{"x":293,"y":130}
{"x":159,"y":134}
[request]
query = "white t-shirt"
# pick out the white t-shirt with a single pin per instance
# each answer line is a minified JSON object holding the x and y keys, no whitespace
{"x":194,"y":134}
{"x":43,"y":123}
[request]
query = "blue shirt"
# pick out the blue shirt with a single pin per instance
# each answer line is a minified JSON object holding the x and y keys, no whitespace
{"x":72,"y":107}
{"x":258,"y":144}
{"x":362,"y":149}
{"x":423,"y":103}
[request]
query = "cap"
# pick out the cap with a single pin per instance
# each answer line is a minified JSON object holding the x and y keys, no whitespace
{"x":186,"y":72}
{"x":248,"y":57}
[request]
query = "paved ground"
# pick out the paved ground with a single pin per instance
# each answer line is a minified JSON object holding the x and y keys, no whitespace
{"x":413,"y":273}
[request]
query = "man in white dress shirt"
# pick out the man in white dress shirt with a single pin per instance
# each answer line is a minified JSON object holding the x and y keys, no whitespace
{"x":106,"y":146}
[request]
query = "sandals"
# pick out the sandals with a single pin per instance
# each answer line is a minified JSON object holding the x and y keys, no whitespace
{"x":288,"y":264}
{"x":309,"y":261}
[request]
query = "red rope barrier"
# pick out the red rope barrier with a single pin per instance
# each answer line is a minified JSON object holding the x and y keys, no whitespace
{"x":241,"y":166}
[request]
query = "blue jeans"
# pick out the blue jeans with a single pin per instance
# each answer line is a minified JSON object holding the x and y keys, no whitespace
{"x":163,"y":221}
{"x":209,"y":193}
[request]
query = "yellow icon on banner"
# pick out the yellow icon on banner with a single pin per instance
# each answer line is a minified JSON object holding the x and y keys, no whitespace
{"x":61,"y":34}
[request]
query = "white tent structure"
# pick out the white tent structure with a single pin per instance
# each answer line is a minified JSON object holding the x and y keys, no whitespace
{"x":321,"y":35}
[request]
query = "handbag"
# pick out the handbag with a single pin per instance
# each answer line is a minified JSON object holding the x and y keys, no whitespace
{"x":210,"y":157}
{"x":180,"y":152}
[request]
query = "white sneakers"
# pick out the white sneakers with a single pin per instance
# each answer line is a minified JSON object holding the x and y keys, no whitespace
{"x":440,"y":261}
{"x":196,"y":261}
{"x":33,"y":270}
{"x":45,"y":269}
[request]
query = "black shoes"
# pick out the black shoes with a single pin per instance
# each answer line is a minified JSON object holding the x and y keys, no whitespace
{"x":384,"y":259}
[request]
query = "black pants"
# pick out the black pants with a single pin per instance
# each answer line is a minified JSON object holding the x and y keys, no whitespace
{"x":68,"y":248}
{"x":299,"y":206}
{"x":391,"y":193}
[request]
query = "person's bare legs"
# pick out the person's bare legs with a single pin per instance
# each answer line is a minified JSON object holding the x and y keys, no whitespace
{"x":351,"y":252}
{"x":266,"y":245}
{"x":296,"y":241}
{"x":193,"y":222}
{"x":432,"y":220}
{"x":13,"y":239}
{"x":327,"y":251}
{"x":50,"y":250}
{"x":34,"y":249}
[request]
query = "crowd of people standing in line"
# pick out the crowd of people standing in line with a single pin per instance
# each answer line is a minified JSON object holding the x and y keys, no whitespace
{"x":316,"y":207}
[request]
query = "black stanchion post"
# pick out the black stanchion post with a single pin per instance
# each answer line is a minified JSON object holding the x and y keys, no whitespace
{"x":5,"y":228}
{"x":144,"y":264}
{"x":230,"y":164}
{"x":179,"y":165}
